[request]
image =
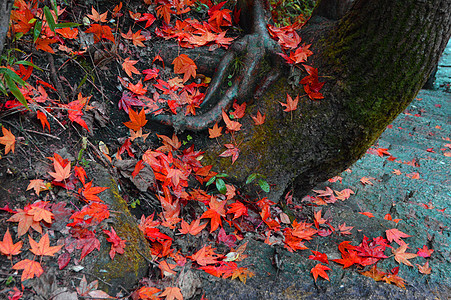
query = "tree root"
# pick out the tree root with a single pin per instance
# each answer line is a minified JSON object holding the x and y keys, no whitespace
{"x":258,"y":49}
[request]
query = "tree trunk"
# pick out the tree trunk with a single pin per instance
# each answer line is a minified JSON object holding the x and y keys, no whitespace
{"x":374,"y":61}
{"x":5,"y":9}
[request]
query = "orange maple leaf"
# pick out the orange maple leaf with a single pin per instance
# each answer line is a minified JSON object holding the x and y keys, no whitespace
{"x":147,"y":292}
{"x":138,"y":39}
{"x":8,"y":139}
{"x":164,"y":11}
{"x":129,"y":68}
{"x":25,"y":222}
{"x":40,"y":214}
{"x":172,"y":293}
{"x":61,"y":173}
{"x":366,"y":180}
{"x":402,"y":257}
{"x":43,"y":44}
{"x":43,"y":247}
{"x":68,"y":33}
{"x":425,"y":269}
{"x":43,"y":118}
{"x":30,"y":268}
{"x":205,"y":256}
{"x":396,"y":235}
{"x":166,"y":269}
{"x":194,"y":228}
{"x":215,"y":131}
{"x":320,"y":270}
{"x":100,"y":31}
{"x":231,"y":125}
{"x":184,"y":65}
{"x":291,"y":104}
{"x":96,"y":17}
{"x":366,"y":213}
{"x":259,"y":119}
{"x":7,"y":247}
{"x":137,"y":121}
{"x":374,"y":273}
{"x":137,"y":88}
{"x":239,"y":110}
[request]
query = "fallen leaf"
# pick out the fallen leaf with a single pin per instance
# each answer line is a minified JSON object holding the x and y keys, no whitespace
{"x":184,"y":65}
{"x":30,"y":269}
{"x":129,"y":67}
{"x":366,"y":180}
{"x":38,"y":185}
{"x":194,"y":228}
{"x":215,"y":131}
{"x":425,"y":252}
{"x":61,"y":173}
{"x":291,"y":104}
{"x":7,"y":247}
{"x":231,"y":125}
{"x":96,"y":17}
{"x":8,"y":139}
{"x":43,"y":247}
{"x":321,"y":257}
{"x":368,"y":214}
{"x":425,"y":269}
{"x":402,"y":257}
{"x":320,"y":270}
{"x":137,"y":121}
{"x":172,"y":293}
{"x":396,"y":235}
{"x":259,"y":119}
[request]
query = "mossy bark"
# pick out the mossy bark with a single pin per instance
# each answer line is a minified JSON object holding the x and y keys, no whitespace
{"x":375,"y":60}
{"x":125,"y":270}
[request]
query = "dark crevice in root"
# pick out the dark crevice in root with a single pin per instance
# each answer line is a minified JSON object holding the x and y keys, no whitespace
{"x":257,"y":48}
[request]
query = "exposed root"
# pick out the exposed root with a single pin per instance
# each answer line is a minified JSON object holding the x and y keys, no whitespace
{"x":257,"y":48}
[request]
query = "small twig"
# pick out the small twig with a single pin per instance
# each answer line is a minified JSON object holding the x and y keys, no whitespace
{"x":43,"y":133}
{"x":54,"y":77}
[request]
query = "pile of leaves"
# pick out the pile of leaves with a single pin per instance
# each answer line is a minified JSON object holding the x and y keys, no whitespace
{"x":217,"y":209}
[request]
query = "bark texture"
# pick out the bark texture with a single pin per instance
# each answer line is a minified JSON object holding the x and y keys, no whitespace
{"x":5,"y":12}
{"x":375,"y":59}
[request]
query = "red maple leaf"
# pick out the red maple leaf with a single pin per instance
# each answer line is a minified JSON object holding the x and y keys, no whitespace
{"x":232,"y":151}
{"x":237,"y":209}
{"x":117,"y":244}
{"x":321,"y":257}
{"x":100,"y":31}
{"x":259,"y":119}
{"x":425,"y":252}
{"x":320,"y":270}
{"x":89,"y":192}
